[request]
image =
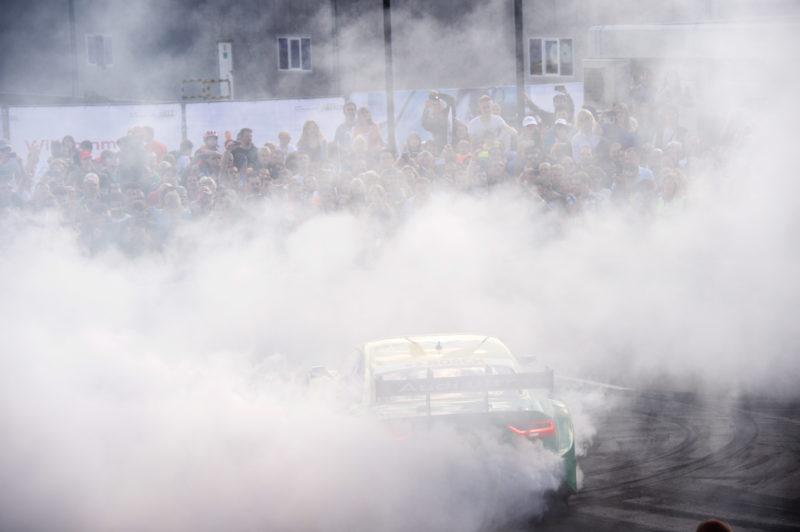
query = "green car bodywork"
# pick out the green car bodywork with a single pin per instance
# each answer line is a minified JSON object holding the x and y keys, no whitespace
{"x":463,"y":379}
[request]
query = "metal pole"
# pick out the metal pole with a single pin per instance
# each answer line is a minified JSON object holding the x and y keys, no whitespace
{"x":520,"y":61}
{"x":73,"y":42}
{"x":6,"y":124}
{"x":183,"y":121}
{"x":387,"y":40}
{"x":337,"y":71}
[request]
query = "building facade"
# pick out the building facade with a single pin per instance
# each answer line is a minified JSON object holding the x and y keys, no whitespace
{"x":118,"y":51}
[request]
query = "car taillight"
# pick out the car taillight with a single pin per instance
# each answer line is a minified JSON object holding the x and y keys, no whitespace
{"x":535,"y":428}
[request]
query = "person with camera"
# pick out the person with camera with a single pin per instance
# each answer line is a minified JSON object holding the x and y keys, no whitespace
{"x":436,"y":117}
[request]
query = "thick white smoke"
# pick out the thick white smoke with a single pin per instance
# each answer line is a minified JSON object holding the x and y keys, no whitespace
{"x":161,"y":392}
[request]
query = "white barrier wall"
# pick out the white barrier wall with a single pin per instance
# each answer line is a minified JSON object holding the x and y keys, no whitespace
{"x":265,"y":118}
{"x":31,"y":127}
{"x":38,"y":126}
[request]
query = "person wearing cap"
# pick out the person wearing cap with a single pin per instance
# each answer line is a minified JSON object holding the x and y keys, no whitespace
{"x":561,"y":131}
{"x":530,"y":131}
{"x":529,"y":138}
{"x":562,"y":101}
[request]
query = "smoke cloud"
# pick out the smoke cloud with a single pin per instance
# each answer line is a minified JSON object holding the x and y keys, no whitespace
{"x":165,"y":392}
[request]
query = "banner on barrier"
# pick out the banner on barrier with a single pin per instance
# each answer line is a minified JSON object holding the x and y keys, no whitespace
{"x":265,"y":118}
{"x":38,"y":127}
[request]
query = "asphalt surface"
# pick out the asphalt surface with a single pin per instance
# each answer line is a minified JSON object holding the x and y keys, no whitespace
{"x":666,"y":461}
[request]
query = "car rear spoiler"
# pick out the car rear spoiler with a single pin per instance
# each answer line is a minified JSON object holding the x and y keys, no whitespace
{"x":477,"y":383}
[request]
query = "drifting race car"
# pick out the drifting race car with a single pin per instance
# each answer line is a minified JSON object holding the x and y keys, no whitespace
{"x":464,"y":380}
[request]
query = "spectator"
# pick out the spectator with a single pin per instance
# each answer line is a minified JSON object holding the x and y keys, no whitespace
{"x":460,"y":132}
{"x":530,"y":134}
{"x":244,"y":152}
{"x":208,"y":159}
{"x":412,"y":148}
{"x":488,"y":122}
{"x":586,"y":158}
{"x":264,"y":157}
{"x":108,"y":170}
{"x":561,"y":132}
{"x":619,"y":127}
{"x":86,"y":145}
{"x":91,"y":188}
{"x":153,"y":145}
{"x":436,"y":117}
{"x":312,"y":142}
{"x":366,"y":128}
{"x":562,"y":101}
{"x":583,"y":169}
{"x":10,"y":167}
{"x":8,"y":198}
{"x":586,"y":135}
{"x":69,"y":149}
{"x":623,"y":184}
{"x":674,"y":156}
{"x":184,"y":158}
{"x":714,"y":525}
{"x":284,"y":142}
{"x":631,"y":156}
{"x":669,"y":130}
{"x":641,"y":89}
{"x":344,"y":132}
{"x":463,"y":153}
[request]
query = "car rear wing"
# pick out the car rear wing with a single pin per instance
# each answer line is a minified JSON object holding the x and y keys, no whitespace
{"x":474,"y":383}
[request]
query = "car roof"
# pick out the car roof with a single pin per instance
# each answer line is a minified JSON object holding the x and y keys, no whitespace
{"x":435,"y":347}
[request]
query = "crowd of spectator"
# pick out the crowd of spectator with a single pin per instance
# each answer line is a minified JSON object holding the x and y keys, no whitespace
{"x":634,"y":156}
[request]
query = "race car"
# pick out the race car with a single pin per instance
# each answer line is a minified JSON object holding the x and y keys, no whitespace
{"x":464,"y":380}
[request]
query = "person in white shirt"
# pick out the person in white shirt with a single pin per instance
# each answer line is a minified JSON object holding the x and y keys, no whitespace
{"x":486,"y":121}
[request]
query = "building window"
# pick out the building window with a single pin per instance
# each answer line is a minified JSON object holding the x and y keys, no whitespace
{"x":294,"y":53}
{"x":550,"y":57}
{"x":99,"y":51}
